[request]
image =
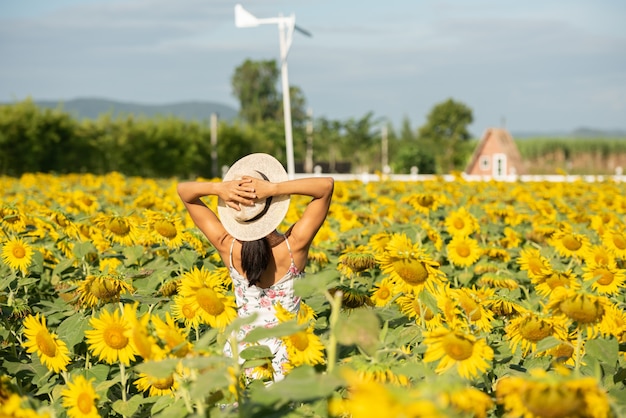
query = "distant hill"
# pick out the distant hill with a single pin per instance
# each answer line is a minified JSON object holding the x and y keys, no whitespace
{"x":581,"y":133}
{"x":92,"y":108}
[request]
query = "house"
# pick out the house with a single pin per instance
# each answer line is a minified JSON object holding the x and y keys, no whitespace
{"x":496,"y":156}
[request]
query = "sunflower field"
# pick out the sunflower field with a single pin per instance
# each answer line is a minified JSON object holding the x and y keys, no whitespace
{"x":421,"y":299}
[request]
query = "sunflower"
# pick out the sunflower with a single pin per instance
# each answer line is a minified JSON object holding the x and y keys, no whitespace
{"x":469,"y":401}
{"x":80,"y":399}
{"x":174,"y":338}
{"x":51,"y":350}
{"x":374,"y":399}
{"x":17,"y":254}
{"x":348,"y":220}
{"x":164,"y":228}
{"x":605,"y":278}
{"x":614,"y":240}
{"x":463,"y":251}
{"x":461,"y":222}
{"x":383,"y":292}
{"x":326,"y":237}
{"x":585,"y":310}
{"x":352,"y":296}
{"x":184,"y":310}
{"x":205,"y":293}
{"x":157,"y":386}
{"x":304,"y":347}
{"x":549,"y":394}
{"x":473,"y":306}
{"x":139,"y":332}
{"x":511,"y":238}
{"x":117,"y":228}
{"x":528,"y":328}
{"x":615,"y":323}
{"x":317,"y":260}
{"x":470,"y":356}
{"x":424,"y":203}
{"x":408,"y":265}
{"x":498,"y":280}
{"x":504,"y":306}
{"x":99,"y":289}
{"x":546,"y":284}
{"x":535,"y":264}
{"x":82,"y":202}
{"x":413,"y":308}
{"x":380,"y":371}
{"x":355,"y":261}
{"x":108,"y":340}
{"x":433,"y":235}
{"x":13,"y":219}
{"x":378,"y":242}
{"x":570,"y":244}
{"x":598,"y":254}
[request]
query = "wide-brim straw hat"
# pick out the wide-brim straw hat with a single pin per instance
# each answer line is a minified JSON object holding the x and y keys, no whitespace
{"x":257,"y":221}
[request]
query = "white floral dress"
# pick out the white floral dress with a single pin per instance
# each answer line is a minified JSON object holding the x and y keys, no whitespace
{"x":256,"y":300}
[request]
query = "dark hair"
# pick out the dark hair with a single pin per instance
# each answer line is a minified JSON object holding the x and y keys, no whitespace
{"x":255,"y":256}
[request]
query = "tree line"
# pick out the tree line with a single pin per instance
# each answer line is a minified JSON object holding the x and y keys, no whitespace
{"x":34,"y":139}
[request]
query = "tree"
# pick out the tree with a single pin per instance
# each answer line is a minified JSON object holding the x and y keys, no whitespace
{"x":446,"y":131}
{"x":254,"y":84}
{"x":362,"y":140}
{"x":412,"y":152}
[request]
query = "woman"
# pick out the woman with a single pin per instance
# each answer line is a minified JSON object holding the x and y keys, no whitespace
{"x":254,"y":198}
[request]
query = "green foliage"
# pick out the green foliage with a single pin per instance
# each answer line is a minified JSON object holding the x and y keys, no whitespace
{"x":254,"y":85}
{"x":446,"y":130}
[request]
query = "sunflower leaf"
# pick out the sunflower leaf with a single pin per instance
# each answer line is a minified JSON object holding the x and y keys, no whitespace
{"x":547,"y":343}
{"x":132,"y":254}
{"x":81,"y":249}
{"x":129,"y":407}
{"x":159,"y":369}
{"x":360,"y":327}
{"x":186,"y":258}
{"x":255,"y":352}
{"x":315,"y":283}
{"x":300,"y":385}
{"x":72,"y":329}
{"x":605,"y":350}
{"x":280,"y":330}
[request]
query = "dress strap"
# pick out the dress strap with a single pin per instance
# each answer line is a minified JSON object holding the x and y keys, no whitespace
{"x":232,"y":244}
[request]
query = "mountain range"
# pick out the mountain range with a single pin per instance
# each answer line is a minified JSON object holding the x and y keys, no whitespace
{"x":92,"y":108}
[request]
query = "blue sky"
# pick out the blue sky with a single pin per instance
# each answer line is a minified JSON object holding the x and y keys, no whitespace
{"x":537,"y":65}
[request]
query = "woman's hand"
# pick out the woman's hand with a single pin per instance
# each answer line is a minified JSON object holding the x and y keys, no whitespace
{"x":262,"y":189}
{"x":238,"y":192}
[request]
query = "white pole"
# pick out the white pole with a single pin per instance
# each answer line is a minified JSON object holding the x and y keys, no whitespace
{"x":308,"y":160}
{"x":284,"y":46}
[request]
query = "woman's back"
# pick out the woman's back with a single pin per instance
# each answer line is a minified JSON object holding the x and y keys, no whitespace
{"x":283,"y":260}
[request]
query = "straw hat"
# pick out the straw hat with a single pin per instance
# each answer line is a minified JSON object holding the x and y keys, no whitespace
{"x":257,"y":221}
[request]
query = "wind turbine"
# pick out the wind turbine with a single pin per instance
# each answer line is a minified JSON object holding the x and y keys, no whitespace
{"x":286,"y":27}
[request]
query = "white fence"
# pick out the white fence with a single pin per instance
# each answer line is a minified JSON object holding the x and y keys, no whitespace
{"x":556,"y":178}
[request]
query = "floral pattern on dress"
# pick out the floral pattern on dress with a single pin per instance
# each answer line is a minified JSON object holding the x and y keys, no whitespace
{"x":256,"y":300}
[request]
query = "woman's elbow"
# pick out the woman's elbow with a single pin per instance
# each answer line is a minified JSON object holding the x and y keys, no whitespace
{"x":329,"y":186}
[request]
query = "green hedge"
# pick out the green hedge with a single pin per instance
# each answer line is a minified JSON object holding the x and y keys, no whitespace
{"x":34,"y":139}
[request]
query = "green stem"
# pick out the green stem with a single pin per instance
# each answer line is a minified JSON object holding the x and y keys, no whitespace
{"x":123,"y":381}
{"x":335,"y":307}
{"x":579,"y":342}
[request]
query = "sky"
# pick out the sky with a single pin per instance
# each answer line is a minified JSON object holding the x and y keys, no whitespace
{"x":534,"y":65}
